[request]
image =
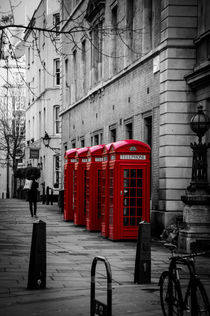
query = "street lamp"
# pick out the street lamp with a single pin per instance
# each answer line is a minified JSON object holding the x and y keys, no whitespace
{"x":46,"y":140}
{"x":196,"y":212}
{"x":200,"y":123}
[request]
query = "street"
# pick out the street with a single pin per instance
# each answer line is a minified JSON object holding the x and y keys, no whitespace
{"x":70,"y":251}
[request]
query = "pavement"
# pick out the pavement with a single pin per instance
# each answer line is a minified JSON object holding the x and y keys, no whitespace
{"x":70,"y":252}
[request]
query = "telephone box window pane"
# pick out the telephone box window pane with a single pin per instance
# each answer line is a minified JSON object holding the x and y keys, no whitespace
{"x":139,"y":219}
{"x":139,"y":182}
{"x":133,"y":173}
{"x":133,"y":192}
{"x":126,"y":221}
{"x":126,"y":173}
{"x":126,"y":183}
{"x":126,"y":192}
{"x":139,"y":202}
{"x":132,"y":182}
{"x":139,"y":211}
{"x":132,"y":212}
{"x":139,"y":173}
{"x":132,"y":221}
{"x":126,"y":211}
{"x":139,"y":192}
{"x":126,"y":202}
{"x":132,"y":202}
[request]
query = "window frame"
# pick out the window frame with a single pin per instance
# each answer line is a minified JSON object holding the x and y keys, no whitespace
{"x":56,"y":120}
{"x":57,"y":72}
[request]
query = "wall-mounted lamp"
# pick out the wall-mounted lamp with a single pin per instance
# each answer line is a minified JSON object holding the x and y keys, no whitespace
{"x":46,"y":140}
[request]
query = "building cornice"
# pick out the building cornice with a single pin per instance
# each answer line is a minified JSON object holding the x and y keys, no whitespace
{"x":200,"y":75}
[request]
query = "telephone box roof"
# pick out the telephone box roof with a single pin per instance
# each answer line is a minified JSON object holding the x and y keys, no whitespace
{"x":129,"y":145}
{"x":96,"y":150}
{"x":70,"y":153}
{"x":82,"y":152}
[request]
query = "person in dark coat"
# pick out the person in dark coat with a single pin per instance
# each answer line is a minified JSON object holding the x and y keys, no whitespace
{"x":32,"y":197}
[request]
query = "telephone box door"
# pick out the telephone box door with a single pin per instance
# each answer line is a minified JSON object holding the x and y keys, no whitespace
{"x":133,"y":199}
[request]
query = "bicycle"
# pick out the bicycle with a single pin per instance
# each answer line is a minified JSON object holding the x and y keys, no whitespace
{"x":195,"y":301}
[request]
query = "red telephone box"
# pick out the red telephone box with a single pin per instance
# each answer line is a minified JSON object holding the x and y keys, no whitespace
{"x":105,"y":192}
{"x":80,"y":186}
{"x":93,"y":187}
{"x":129,"y":188}
{"x":69,"y":184}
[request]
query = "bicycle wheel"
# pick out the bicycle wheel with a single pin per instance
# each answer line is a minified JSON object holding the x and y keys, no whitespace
{"x":199,"y":300}
{"x":170,"y":299}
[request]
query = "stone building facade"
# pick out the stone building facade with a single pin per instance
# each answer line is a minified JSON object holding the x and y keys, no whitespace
{"x":132,"y":69}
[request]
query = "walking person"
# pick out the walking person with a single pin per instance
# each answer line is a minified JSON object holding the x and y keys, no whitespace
{"x":32,"y":197}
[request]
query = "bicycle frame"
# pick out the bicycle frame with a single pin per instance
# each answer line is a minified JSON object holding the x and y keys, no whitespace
{"x":191,"y":286}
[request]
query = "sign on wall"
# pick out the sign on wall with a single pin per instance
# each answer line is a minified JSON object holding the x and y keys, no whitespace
{"x":34,"y":153}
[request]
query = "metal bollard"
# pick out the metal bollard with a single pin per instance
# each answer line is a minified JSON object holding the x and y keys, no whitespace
{"x":142,"y":273}
{"x":37,"y":264}
{"x":97,"y":307}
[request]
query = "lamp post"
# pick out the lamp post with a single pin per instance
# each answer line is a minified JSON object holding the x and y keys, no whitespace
{"x":196,"y":212}
{"x":200,"y":123}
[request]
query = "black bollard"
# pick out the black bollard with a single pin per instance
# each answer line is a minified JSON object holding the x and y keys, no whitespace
{"x":37,"y":264}
{"x":143,"y":255}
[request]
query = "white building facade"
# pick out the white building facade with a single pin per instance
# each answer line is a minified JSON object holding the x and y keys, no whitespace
{"x":12,"y":110}
{"x":43,"y":93}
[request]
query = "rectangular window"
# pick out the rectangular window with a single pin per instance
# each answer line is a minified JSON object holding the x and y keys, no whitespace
{"x":97,"y":138}
{"x":113,"y":134}
{"x":148,"y":130}
{"x":57,"y":71}
{"x":40,"y":124}
{"x":56,"y":23}
{"x":129,"y":130}
{"x":40,"y":81}
{"x":56,"y":119}
{"x":82,"y":142}
{"x":67,"y":88}
{"x":130,"y":19}
{"x":32,"y":51}
{"x":29,"y":56}
{"x":73,"y":143}
{"x":84,"y":64}
{"x":114,"y":39}
{"x":97,"y":52}
{"x":75,"y":72}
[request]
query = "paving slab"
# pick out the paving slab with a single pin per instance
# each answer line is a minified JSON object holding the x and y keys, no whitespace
{"x":70,"y":251}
